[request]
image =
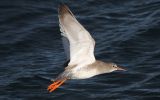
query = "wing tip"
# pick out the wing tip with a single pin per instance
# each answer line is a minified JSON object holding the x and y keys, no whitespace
{"x":63,"y":9}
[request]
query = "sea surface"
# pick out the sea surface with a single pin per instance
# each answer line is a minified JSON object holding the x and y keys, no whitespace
{"x":127,"y":32}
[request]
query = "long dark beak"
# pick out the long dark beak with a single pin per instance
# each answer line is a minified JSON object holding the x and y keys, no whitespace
{"x":121,"y":68}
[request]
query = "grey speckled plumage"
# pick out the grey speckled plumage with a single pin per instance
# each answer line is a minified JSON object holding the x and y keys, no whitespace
{"x":90,"y":70}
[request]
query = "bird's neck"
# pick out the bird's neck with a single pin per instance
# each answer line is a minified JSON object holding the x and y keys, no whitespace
{"x":101,"y":67}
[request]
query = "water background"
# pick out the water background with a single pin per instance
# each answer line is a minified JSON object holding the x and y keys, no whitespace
{"x":127,"y":32}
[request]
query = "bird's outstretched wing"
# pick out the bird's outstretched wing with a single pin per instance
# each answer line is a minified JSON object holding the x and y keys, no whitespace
{"x":81,"y":44}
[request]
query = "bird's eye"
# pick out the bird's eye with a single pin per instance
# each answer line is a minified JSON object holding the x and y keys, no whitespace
{"x":114,"y":66}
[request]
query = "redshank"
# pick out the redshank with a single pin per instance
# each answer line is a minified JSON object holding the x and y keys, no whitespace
{"x":79,"y":46}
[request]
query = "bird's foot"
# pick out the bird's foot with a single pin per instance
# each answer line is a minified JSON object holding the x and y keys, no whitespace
{"x":55,"y":85}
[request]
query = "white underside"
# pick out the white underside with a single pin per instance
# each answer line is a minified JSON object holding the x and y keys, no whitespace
{"x":84,"y":73}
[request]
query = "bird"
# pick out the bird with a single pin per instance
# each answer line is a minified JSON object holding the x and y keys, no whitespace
{"x":79,"y":47}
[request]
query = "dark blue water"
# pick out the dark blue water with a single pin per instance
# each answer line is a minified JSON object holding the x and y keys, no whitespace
{"x":127,"y":32}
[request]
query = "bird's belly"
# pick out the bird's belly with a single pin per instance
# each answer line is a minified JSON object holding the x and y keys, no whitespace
{"x":83,"y":74}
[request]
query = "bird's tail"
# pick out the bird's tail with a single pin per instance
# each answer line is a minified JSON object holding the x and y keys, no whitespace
{"x":56,"y":84}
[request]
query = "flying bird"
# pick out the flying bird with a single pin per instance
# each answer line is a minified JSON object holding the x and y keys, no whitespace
{"x":79,"y":46}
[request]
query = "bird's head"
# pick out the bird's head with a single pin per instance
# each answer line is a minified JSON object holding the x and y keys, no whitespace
{"x":114,"y":67}
{"x":110,"y":67}
{"x":106,"y":67}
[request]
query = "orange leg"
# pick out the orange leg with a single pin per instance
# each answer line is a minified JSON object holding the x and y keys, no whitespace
{"x":55,"y":85}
